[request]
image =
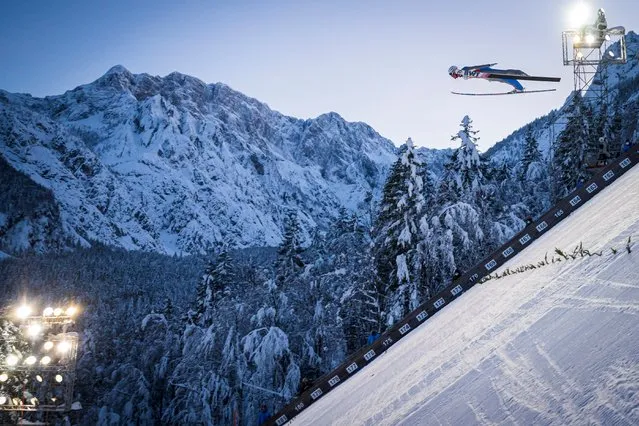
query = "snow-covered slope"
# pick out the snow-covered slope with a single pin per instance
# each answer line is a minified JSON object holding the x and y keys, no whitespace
{"x":556,"y":345}
{"x":175,"y":165}
{"x":29,"y":216}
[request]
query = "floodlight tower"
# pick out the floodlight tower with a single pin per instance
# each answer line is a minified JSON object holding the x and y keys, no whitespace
{"x":590,"y":49}
{"x":37,"y":360}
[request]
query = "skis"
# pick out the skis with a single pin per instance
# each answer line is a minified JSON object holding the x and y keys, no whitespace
{"x":512,"y":92}
{"x":520,"y":77}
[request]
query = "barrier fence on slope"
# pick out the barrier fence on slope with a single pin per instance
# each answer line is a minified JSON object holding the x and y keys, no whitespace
{"x":355,"y":362}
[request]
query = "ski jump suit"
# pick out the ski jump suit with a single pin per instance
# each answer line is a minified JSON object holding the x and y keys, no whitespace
{"x":471,"y":72}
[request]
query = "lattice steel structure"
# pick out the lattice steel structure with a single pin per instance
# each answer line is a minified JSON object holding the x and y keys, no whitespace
{"x":38,"y":372}
{"x":589,"y":51}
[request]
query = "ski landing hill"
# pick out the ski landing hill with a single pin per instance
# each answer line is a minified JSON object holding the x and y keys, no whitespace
{"x":554,"y":345}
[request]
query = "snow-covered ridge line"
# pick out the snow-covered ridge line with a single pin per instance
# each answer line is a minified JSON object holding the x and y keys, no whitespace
{"x":504,"y":254}
{"x":178,"y":166}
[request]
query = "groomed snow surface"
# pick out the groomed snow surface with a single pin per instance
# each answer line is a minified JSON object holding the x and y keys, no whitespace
{"x":555,"y":345}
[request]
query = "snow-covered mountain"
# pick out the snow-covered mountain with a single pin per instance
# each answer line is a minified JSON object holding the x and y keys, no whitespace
{"x":623,"y":84}
{"x":174,"y":165}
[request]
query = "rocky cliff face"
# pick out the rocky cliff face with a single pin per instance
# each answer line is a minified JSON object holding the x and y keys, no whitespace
{"x":29,"y":216}
{"x":174,"y":165}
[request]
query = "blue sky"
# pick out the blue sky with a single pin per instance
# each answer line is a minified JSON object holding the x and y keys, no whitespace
{"x":381,"y":62}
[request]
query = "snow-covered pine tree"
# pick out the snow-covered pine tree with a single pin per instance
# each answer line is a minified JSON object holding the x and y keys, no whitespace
{"x":272,"y":376}
{"x":463,"y":174}
{"x":398,"y":259}
{"x":597,"y":134}
{"x":207,"y":382}
{"x":340,"y":271}
{"x":288,"y":268}
{"x":532,"y":154}
{"x":569,"y":166}
{"x":459,"y":200}
{"x":614,"y":132}
{"x":214,"y":286}
{"x":139,"y":391}
{"x":533,"y":177}
{"x":289,"y":261}
{"x":348,"y":244}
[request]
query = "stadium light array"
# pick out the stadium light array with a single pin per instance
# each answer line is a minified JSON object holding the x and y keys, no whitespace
{"x":37,"y":368}
{"x":26,"y":312}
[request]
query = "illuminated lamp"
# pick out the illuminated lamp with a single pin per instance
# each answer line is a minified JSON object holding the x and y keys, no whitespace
{"x":34,"y":330}
{"x":23,"y":312}
{"x":64,"y":346}
{"x":12,"y":360}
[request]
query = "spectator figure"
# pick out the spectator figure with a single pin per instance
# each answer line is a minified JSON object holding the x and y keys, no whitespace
{"x":372,"y":337}
{"x":580,"y":182}
{"x":604,"y":154}
{"x":626,"y":147}
{"x":305,"y":384}
{"x":528,"y":220}
{"x":263,"y":416}
{"x":456,"y":274}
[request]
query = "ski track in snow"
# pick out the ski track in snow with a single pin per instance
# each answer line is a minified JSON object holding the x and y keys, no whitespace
{"x":557,"y":345}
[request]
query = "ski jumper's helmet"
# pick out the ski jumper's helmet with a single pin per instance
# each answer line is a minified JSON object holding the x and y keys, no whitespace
{"x":452,"y":71}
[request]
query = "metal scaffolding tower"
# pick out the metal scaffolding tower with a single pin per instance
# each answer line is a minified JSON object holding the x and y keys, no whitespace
{"x":37,"y":362}
{"x":590,"y":50}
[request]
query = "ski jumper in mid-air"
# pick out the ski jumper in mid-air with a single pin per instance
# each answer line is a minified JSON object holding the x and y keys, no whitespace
{"x":487,"y":72}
